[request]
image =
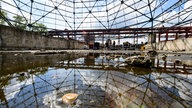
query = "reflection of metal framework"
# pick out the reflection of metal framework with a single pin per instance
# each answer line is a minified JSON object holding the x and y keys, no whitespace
{"x":104,"y":88}
{"x":97,"y":87}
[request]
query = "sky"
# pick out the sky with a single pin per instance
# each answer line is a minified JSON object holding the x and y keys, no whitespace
{"x":129,"y":14}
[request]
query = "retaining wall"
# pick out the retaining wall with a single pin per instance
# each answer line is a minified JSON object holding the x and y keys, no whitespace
{"x":184,"y":44}
{"x":12,"y":38}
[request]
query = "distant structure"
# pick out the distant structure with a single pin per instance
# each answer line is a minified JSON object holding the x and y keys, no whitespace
{"x":89,"y":39}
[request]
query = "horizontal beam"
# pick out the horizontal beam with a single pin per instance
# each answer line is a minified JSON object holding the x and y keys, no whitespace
{"x":121,"y":31}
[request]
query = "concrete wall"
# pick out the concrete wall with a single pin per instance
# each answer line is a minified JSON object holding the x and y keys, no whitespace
{"x":12,"y":38}
{"x":173,"y":45}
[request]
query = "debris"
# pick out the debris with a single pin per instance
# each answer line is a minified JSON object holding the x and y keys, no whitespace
{"x":164,"y":57}
{"x":92,"y":101}
{"x":22,"y":74}
{"x":178,"y":62}
{"x":139,"y":61}
{"x":69,"y":98}
{"x":152,"y":53}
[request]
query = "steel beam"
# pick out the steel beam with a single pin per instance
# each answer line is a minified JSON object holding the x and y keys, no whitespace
{"x":167,"y":30}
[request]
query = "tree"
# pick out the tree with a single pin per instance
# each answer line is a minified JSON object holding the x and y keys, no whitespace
{"x":19,"y":22}
{"x":39,"y":27}
{"x":4,"y":15}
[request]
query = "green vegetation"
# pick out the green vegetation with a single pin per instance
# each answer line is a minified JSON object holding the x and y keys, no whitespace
{"x":39,"y":27}
{"x":19,"y":22}
{"x":3,"y":14}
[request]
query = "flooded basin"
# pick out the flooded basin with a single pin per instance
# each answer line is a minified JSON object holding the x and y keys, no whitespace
{"x":100,"y":80}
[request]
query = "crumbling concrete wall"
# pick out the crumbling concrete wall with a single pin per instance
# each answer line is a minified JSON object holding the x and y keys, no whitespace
{"x":12,"y":38}
{"x":184,"y":44}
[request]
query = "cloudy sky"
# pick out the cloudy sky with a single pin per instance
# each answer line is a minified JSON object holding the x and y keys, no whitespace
{"x":93,"y":14}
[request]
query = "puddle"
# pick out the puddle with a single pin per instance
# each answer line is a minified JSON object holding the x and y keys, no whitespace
{"x":29,"y":81}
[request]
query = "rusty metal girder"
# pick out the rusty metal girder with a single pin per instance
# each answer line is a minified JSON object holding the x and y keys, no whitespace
{"x":119,"y":31}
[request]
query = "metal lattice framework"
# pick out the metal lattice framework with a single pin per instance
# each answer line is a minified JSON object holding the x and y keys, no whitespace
{"x":103,"y":19}
{"x":100,"y":14}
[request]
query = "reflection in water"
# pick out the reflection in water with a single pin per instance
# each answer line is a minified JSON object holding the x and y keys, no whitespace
{"x":100,"y":80}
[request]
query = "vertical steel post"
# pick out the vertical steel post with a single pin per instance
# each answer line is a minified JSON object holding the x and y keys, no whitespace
{"x":176,"y":36}
{"x":186,"y":34}
{"x":159,"y":37}
{"x":166,"y":36}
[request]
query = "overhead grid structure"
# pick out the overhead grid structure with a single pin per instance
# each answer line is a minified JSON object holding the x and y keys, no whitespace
{"x":103,"y":18}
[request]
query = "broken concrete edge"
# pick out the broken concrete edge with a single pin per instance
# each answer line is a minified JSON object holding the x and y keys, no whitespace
{"x":91,"y":51}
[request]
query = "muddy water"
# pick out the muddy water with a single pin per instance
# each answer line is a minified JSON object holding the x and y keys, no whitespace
{"x":102,"y":81}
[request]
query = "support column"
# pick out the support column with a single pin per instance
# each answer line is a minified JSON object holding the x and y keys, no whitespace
{"x":118,"y":39}
{"x":186,"y":34}
{"x":166,"y":36}
{"x":159,"y":37}
{"x":176,"y":37}
{"x":103,"y":43}
{"x":68,"y":42}
{"x":31,"y":10}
